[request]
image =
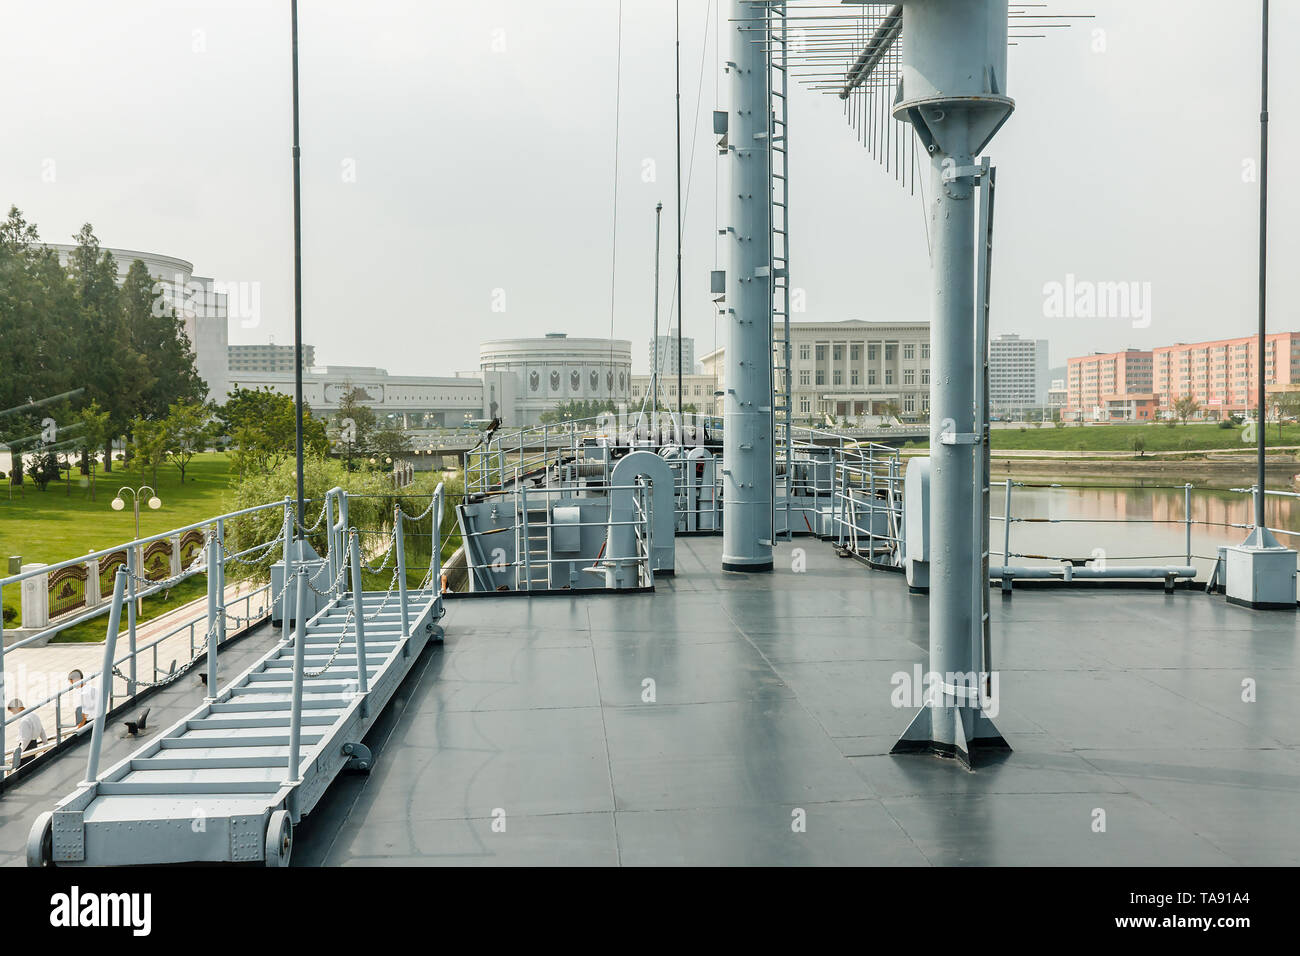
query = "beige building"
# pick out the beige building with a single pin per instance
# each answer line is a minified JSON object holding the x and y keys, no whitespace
{"x":699,"y":391}
{"x":851,"y":369}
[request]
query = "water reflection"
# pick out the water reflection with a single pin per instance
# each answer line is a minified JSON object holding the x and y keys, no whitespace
{"x":1091,"y":522}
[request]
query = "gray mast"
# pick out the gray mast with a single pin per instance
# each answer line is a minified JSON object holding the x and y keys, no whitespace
{"x":747,"y":403}
{"x":952,"y":91}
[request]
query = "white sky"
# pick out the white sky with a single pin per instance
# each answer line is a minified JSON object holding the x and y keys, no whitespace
{"x":479,"y":169}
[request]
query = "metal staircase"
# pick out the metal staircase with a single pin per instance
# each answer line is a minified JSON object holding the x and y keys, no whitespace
{"x":779,"y":260}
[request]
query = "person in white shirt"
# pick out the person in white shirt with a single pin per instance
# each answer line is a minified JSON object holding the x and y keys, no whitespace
{"x":31,"y":733}
{"x":85,"y":699}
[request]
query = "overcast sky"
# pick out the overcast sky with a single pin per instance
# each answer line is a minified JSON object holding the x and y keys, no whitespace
{"x":454,"y":149}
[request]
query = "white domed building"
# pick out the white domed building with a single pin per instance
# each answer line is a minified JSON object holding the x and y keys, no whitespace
{"x":533,"y":376}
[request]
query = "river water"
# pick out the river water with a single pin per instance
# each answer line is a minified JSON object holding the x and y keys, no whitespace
{"x":1129,"y":525}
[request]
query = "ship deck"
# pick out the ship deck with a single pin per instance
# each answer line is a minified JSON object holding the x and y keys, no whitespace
{"x":525,"y":738}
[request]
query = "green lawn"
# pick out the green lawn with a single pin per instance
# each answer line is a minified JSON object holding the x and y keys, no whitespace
{"x":62,"y":522}
{"x":1158,"y":437}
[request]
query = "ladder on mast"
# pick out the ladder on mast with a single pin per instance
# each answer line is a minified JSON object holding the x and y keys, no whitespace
{"x":779,"y":257}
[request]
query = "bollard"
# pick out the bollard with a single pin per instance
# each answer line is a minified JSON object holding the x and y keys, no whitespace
{"x":106,"y":677}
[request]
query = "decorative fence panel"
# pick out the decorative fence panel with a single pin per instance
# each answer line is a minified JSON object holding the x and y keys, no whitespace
{"x":158,"y":560}
{"x":191,"y":545}
{"x":67,"y":588}
{"x":108,"y":566}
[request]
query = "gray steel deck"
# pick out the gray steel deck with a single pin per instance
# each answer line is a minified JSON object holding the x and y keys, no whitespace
{"x":773,"y":693}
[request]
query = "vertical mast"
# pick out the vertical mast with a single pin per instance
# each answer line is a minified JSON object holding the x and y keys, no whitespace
{"x":747,"y":438}
{"x":297,"y":273}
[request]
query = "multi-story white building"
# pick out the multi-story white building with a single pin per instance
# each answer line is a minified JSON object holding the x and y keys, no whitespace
{"x":667,"y":347}
{"x":268,"y":358}
{"x":411,"y":401}
{"x":1018,"y":375}
{"x":851,"y":369}
{"x":198,"y":303}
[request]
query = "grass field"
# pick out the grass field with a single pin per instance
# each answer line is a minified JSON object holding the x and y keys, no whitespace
{"x":62,"y":522}
{"x":1158,"y":438}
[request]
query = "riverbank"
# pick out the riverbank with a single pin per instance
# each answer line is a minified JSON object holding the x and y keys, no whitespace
{"x":1221,"y":471}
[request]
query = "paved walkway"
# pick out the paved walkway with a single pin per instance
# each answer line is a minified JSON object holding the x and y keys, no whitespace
{"x":34,"y":673}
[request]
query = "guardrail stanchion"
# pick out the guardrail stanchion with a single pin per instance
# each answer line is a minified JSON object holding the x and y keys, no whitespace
{"x":221,"y":581}
{"x":133,"y":569}
{"x":358,"y":613}
{"x":294,"y":770}
{"x":1187,"y":517}
{"x":399,"y":542}
{"x":106,"y":677}
{"x":288,"y":566}
{"x":213,"y":547}
{"x":1006,"y":531}
{"x":435,"y":558}
{"x":4,"y":698}
{"x":523,"y":510}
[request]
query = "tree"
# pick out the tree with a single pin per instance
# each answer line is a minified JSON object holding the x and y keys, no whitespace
{"x":580,"y":409}
{"x":189,"y":430}
{"x":149,"y":439}
{"x":1288,"y":406}
{"x":37,"y":334}
{"x":113,"y":372}
{"x":1139,"y":444}
{"x":153,"y":329}
{"x":356,"y":422}
{"x":44,"y":468}
{"x":93,"y":431}
{"x":390,"y":443}
{"x":1185,"y":407}
{"x":261,"y":425}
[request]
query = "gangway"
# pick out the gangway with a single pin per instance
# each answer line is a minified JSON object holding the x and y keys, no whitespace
{"x":230,"y":780}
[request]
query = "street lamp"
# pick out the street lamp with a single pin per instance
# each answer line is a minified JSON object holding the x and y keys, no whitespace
{"x":154,"y":503}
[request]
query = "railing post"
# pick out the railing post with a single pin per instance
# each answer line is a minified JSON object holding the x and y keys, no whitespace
{"x":4,"y":698}
{"x":294,"y":770}
{"x":358,"y":613}
{"x":213,"y":612}
{"x":133,"y":570}
{"x":871,"y":508}
{"x":288,"y":567}
{"x":1187,"y":517}
{"x":106,"y":677}
{"x":399,"y":542}
{"x":221,"y":580}
{"x":1006,"y":527}
{"x":435,"y":558}
{"x":523,"y":510}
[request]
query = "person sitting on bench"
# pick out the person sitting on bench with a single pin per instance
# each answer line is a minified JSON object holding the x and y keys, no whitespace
{"x":31,"y":732}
